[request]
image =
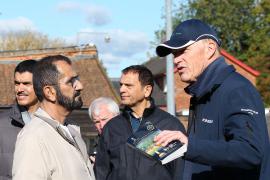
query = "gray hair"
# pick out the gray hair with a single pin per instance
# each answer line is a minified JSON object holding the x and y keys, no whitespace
{"x":111,"y":104}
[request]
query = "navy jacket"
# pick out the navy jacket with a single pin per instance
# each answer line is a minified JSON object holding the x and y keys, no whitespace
{"x":116,"y":160}
{"x":227,"y":133}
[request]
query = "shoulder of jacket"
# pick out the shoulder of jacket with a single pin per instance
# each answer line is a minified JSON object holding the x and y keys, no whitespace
{"x":163,"y":114}
{"x":5,"y":114}
{"x":35,"y":127}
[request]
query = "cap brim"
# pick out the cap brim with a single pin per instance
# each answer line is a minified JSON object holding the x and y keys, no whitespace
{"x":166,"y":48}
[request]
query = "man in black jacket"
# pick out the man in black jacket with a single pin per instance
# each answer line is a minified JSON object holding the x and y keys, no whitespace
{"x":227,"y":134}
{"x":115,"y":159}
{"x":13,"y":120}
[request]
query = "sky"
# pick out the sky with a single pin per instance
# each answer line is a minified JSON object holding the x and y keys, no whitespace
{"x":129,"y":24}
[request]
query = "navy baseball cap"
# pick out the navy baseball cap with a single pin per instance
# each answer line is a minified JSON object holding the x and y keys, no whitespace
{"x":185,"y":34}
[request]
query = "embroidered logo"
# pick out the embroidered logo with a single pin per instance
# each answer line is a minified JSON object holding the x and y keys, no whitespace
{"x":209,"y":121}
{"x":250,"y":111}
{"x":150,"y":127}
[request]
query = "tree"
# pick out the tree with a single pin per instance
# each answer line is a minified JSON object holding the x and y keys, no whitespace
{"x":241,"y":24}
{"x":243,"y":27}
{"x":26,"y":40}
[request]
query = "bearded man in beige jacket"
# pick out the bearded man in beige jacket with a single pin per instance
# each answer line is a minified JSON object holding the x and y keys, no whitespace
{"x":47,"y":148}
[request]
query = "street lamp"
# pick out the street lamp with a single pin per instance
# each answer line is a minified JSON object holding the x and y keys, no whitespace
{"x":106,"y":36}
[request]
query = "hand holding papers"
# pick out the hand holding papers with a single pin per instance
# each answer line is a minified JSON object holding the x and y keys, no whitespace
{"x":143,"y":140}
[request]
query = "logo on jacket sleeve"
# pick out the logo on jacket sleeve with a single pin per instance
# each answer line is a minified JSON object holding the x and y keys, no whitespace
{"x":250,"y":111}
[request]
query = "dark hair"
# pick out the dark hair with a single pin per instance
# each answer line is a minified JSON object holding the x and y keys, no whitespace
{"x":145,"y":75}
{"x":25,"y":66}
{"x":46,"y":73}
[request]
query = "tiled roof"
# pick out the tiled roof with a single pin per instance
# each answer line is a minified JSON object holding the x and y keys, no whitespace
{"x":157,"y":65}
{"x":92,"y":75}
{"x":94,"y":80}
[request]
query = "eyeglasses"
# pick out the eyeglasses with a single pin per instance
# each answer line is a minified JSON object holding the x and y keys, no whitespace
{"x":73,"y":81}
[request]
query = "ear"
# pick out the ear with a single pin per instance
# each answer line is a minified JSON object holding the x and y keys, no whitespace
{"x":147,"y":91}
{"x":49,"y":93}
{"x":211,"y":48}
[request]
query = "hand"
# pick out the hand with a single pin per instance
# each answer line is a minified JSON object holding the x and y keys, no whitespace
{"x":167,"y":136}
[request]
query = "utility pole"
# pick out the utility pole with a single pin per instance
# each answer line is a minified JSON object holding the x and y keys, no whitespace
{"x":169,"y":62}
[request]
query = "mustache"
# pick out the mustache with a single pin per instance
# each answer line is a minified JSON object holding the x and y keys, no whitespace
{"x":22,"y":93}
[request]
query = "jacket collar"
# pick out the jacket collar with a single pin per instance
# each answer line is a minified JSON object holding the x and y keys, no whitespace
{"x":210,"y":79}
{"x":77,"y":141}
{"x":147,"y":111}
{"x":16,"y":116}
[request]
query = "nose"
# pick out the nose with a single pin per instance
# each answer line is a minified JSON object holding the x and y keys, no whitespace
{"x":122,"y":88}
{"x":20,"y":87}
{"x":102,"y":124}
{"x":177,"y":59}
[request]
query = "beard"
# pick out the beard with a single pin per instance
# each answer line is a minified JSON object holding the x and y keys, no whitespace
{"x":69,"y":103}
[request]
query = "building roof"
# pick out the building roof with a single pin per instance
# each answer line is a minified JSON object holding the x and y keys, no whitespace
{"x":240,"y":63}
{"x":85,"y":60}
{"x":157,"y":65}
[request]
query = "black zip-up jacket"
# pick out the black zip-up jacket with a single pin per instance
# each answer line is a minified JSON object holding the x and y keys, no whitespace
{"x":10,"y":124}
{"x":116,"y":160}
{"x":227,"y":132}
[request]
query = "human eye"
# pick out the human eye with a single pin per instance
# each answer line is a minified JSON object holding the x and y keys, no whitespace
{"x":96,"y":122}
{"x":73,"y":80}
{"x":27,"y":83}
{"x":104,"y":119}
{"x":129,"y":85}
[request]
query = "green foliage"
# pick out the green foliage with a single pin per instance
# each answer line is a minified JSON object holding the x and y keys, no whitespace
{"x":26,"y":40}
{"x":241,"y":24}
{"x":243,"y":27}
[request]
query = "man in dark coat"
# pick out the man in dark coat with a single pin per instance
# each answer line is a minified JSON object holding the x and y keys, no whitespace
{"x":227,"y":134}
{"x":13,"y":120}
{"x":115,"y":159}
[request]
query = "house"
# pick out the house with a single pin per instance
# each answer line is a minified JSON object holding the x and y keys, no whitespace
{"x":92,"y":76}
{"x":158,"y":67}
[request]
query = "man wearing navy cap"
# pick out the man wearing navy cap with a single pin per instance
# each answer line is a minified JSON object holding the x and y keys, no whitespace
{"x":227,"y":133}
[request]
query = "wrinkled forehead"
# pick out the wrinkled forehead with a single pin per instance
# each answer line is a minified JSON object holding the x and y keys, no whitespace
{"x":23,"y":76}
